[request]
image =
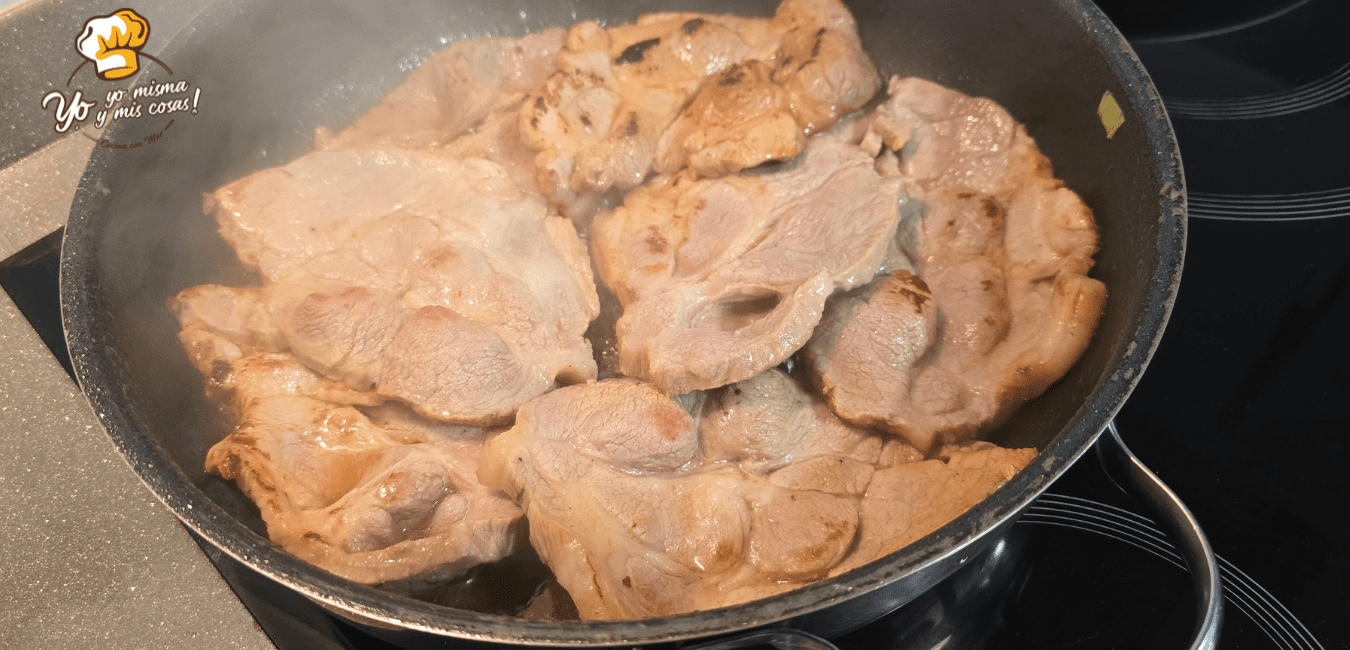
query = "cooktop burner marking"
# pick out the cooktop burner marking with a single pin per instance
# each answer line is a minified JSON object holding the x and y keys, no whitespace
{"x":1326,"y":90}
{"x":1303,"y":206}
{"x":1219,"y":31}
{"x":1246,"y":594}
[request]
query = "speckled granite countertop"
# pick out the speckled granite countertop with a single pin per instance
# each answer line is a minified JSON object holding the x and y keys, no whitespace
{"x":91,"y":558}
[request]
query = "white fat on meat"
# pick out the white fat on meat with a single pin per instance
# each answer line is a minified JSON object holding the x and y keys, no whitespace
{"x":1001,"y":306}
{"x":722,"y":278}
{"x":642,"y":509}
{"x":434,"y":280}
{"x":621,"y":98}
{"x":451,"y":92}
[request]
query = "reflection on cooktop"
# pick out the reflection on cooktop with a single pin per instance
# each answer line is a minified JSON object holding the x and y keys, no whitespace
{"x":1240,"y":410}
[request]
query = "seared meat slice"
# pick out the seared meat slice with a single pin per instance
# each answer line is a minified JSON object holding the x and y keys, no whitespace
{"x":433,"y":280}
{"x":632,"y":524}
{"x":868,"y":346}
{"x":948,"y":139}
{"x":452,"y":91}
{"x":343,"y":333}
{"x":641,"y":509}
{"x":278,"y":218}
{"x":596,"y":468}
{"x":219,"y":323}
{"x":497,"y":138}
{"x":758,"y":111}
{"x":230,"y":340}
{"x":770,"y":426}
{"x":906,"y":502}
{"x":739,"y":119}
{"x":821,"y":63}
{"x":396,"y":501}
{"x":599,"y":121}
{"x":723,"y":278}
{"x":430,"y":278}
{"x":1004,"y":307}
{"x":596,"y":121}
{"x":372,"y":504}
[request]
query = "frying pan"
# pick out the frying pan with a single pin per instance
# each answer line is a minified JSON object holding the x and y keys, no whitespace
{"x":270,"y":72}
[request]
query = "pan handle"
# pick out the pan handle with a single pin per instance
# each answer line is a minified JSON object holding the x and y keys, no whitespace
{"x":1130,"y":474}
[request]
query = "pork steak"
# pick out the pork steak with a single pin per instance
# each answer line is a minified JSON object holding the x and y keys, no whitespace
{"x":722,"y":278}
{"x":429,"y":279}
{"x":374,"y":504}
{"x":670,"y":90}
{"x":1001,"y":306}
{"x":645,"y":506}
{"x":343,"y":479}
{"x":451,"y":92}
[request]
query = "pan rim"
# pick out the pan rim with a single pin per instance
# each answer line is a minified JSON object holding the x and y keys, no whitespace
{"x":946,"y":545}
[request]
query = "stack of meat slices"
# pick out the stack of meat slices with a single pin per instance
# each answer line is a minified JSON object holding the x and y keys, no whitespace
{"x":416,"y":290}
{"x":643,"y":505}
{"x":413,"y":377}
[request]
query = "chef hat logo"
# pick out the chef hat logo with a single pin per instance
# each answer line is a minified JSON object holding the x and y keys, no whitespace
{"x":113,"y":43}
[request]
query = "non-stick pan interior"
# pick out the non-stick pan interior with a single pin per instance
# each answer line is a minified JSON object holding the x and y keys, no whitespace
{"x":270,"y":73}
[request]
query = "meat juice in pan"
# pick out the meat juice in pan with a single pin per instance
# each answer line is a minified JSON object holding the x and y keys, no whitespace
{"x":433,"y":393}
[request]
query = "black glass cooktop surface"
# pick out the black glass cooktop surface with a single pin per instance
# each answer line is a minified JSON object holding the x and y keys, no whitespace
{"x":1242,"y":411}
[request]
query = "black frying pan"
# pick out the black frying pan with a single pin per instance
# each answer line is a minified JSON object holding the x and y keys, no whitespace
{"x":271,"y":72}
